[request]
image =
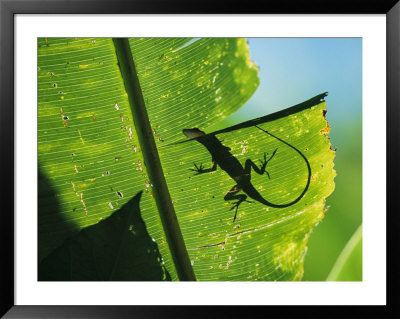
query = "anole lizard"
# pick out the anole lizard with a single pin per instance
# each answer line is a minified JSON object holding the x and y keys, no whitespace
{"x":222,"y":157}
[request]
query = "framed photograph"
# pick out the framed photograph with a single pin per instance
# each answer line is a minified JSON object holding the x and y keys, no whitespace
{"x":157,"y":155}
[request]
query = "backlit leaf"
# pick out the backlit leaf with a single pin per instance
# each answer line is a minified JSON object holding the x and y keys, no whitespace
{"x":91,"y":162}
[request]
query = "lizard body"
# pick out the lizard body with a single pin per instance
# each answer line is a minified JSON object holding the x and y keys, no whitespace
{"x":222,"y":157}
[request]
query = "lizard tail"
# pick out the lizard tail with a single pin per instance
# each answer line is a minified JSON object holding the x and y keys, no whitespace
{"x":308,"y":178}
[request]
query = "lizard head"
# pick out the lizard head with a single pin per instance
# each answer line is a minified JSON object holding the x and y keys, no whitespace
{"x":193,"y":132}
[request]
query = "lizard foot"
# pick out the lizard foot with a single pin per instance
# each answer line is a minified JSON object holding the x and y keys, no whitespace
{"x":198,"y":169}
{"x":236,"y":206}
{"x":265,"y":161}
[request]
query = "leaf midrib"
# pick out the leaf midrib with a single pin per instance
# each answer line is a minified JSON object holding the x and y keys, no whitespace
{"x":152,"y":161}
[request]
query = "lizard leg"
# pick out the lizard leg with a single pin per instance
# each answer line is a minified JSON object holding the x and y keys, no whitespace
{"x":249,"y":164}
{"x":231,"y":195}
{"x":200,"y":169}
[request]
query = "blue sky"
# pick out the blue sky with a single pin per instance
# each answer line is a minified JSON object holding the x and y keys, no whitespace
{"x":295,"y":69}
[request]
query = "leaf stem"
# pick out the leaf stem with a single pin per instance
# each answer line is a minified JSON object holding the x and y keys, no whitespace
{"x":152,"y":161}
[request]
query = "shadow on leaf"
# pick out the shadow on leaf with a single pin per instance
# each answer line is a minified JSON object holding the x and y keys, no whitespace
{"x":53,"y":228}
{"x":118,"y":248}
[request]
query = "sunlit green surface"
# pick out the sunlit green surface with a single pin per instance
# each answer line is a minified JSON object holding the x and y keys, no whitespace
{"x":264,"y":243}
{"x":332,"y":65}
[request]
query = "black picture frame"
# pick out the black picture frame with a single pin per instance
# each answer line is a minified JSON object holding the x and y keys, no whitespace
{"x":8,"y":10}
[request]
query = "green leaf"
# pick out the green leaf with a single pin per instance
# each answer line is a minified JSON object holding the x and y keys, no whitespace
{"x":194,"y":85}
{"x":88,"y":149}
{"x":348,"y":266}
{"x":96,"y":153}
{"x":264,"y":242}
{"x":166,"y":211}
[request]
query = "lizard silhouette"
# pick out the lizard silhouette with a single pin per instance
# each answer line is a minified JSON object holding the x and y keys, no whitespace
{"x":222,"y":157}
